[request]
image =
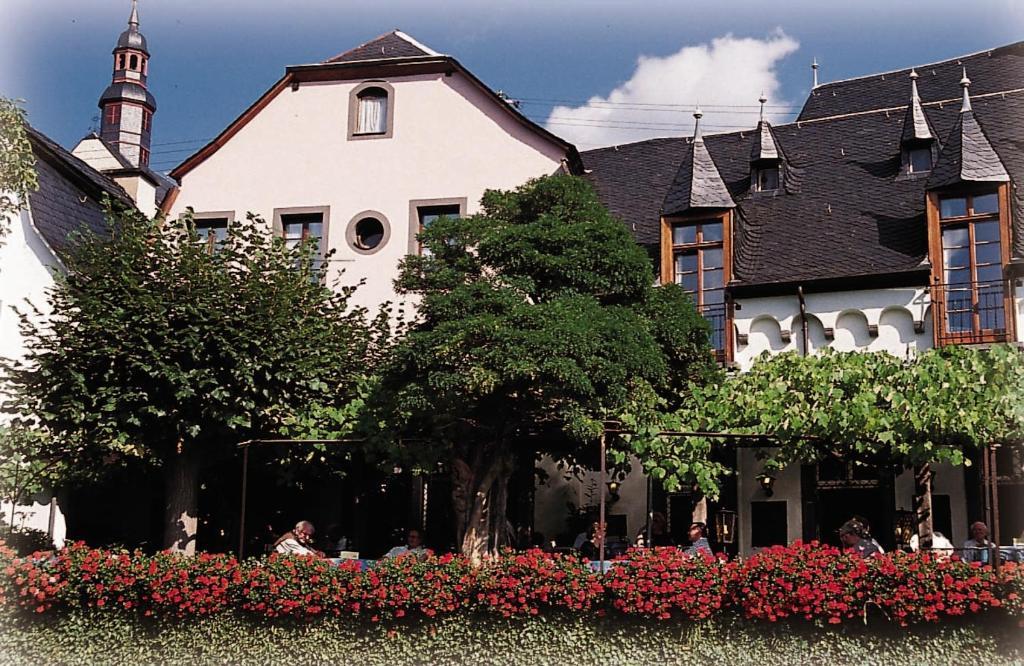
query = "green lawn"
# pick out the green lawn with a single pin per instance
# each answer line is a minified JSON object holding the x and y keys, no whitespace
{"x":101,"y":638}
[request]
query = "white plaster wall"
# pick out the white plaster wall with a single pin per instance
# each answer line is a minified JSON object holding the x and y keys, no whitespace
{"x":786,"y":489}
{"x":768,"y":322}
{"x":449,"y":140}
{"x":26,"y":265}
{"x":142,"y":192}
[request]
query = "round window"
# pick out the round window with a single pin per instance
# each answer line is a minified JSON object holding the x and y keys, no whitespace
{"x":369,"y":233}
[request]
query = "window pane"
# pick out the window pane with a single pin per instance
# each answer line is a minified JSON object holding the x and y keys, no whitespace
{"x":686,"y":263}
{"x":711,"y":232}
{"x":688,"y":281}
{"x":986,"y":231}
{"x":293,"y":229}
{"x":986,"y":203}
{"x":714,"y":297}
{"x":990,"y":306}
{"x":956,"y":258}
{"x":372,"y":113}
{"x":768,"y":179}
{"x":959,"y":276}
{"x":712,"y":258}
{"x":684,"y":235}
{"x":316,"y":229}
{"x":920,"y":160}
{"x":953,"y":207}
{"x":713,"y":279}
{"x":990,"y":274}
{"x":955,"y":237}
{"x":986,"y":253}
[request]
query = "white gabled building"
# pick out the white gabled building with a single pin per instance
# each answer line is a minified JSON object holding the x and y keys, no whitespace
{"x":360,"y":151}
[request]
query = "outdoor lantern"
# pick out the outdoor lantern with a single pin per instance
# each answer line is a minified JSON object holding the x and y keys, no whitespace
{"x":725,"y":526}
{"x":613,"y":489}
{"x":767,"y":482}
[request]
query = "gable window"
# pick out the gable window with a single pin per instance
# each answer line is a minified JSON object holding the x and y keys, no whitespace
{"x":766,"y":178}
{"x":972,"y":295}
{"x":917,"y":160}
{"x":698,"y":256}
{"x":309,"y":227}
{"x":371,"y":111}
{"x":211,"y":231}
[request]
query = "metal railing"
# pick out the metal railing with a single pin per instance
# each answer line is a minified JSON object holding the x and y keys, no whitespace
{"x":972,"y":312}
{"x":715,"y":315}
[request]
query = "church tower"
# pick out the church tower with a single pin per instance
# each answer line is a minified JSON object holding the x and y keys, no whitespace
{"x":127,"y":106}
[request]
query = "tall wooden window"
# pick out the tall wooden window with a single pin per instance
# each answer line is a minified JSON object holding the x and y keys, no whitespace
{"x":698,"y":255}
{"x":972,"y":294}
{"x":300,"y":227}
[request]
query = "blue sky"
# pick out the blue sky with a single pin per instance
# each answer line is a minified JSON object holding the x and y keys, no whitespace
{"x":210,"y":59}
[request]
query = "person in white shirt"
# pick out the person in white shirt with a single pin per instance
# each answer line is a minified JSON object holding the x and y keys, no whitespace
{"x":413,"y":544}
{"x":299,"y":541}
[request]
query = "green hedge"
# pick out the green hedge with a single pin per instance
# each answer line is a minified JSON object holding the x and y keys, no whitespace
{"x":466,"y":638}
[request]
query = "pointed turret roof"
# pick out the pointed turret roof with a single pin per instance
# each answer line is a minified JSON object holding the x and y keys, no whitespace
{"x":915,"y":123}
{"x":967,"y":155}
{"x":697,"y":184}
{"x":132,"y":38}
{"x":764,"y":147}
{"x":394,"y":44}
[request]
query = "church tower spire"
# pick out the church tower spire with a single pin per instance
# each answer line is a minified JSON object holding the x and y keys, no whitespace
{"x":127,"y":105}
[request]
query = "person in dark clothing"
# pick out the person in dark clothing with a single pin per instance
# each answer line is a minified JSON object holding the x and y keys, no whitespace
{"x":698,"y":540}
{"x":591,"y":548}
{"x":851,"y":534}
{"x":659,"y":533}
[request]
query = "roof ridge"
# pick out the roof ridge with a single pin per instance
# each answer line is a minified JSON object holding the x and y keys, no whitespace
{"x":920,"y":66}
{"x":415,"y":42}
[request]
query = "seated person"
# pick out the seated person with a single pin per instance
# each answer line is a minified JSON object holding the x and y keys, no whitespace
{"x":855,"y":539}
{"x":299,"y":541}
{"x":591,"y":548}
{"x":413,"y":544}
{"x":978,"y":547}
{"x":659,"y":532}
{"x":942,"y":547}
{"x":698,"y":534}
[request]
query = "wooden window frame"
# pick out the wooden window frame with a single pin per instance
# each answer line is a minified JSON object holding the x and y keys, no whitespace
{"x":668,"y":264}
{"x":935,"y":226}
{"x":415,"y":247}
{"x":228,"y":215}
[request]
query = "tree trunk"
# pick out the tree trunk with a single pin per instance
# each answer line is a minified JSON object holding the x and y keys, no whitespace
{"x":923,"y":505}
{"x":181,"y":502}
{"x":480,"y":498}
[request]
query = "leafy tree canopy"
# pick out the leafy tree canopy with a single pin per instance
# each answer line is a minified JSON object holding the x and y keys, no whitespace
{"x":538,"y":319}
{"x":169,"y":349}
{"x":17,"y":163}
{"x":939,"y":406}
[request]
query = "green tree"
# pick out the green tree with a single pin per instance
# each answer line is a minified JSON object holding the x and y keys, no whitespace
{"x":170,"y":350}
{"x":538,"y":320}
{"x":17,"y":163}
{"x":942,"y":406}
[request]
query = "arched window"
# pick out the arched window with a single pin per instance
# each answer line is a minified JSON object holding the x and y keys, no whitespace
{"x":134,"y":62}
{"x":120,"y":61}
{"x":372,"y":111}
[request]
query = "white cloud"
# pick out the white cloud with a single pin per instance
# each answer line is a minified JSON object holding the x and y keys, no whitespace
{"x":729,"y":71}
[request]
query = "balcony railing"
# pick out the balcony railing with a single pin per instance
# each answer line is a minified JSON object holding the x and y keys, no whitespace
{"x":716,"y":317}
{"x":972,"y":312}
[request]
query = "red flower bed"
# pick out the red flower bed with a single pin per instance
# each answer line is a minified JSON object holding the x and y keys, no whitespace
{"x":805,"y":581}
{"x":516,"y":584}
{"x":297,"y":586}
{"x":425,"y":583}
{"x":665,"y":583}
{"x":812,"y":581}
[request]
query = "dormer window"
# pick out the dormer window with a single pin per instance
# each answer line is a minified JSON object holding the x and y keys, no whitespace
{"x":766,"y":177}
{"x":917,"y":159}
{"x":371,"y":111}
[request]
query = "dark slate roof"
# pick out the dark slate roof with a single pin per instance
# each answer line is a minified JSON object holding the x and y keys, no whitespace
{"x":844,"y":210}
{"x":389,"y":45}
{"x":994,"y":70}
{"x":967,"y":156}
{"x":697,"y":184}
{"x":70,"y":192}
{"x":130,"y":91}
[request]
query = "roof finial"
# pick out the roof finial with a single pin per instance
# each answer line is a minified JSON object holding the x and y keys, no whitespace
{"x":762,"y":99}
{"x":814,"y":71}
{"x":133,"y":20}
{"x":965,"y":83}
{"x":697,"y":115}
{"x":914,"y":76}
